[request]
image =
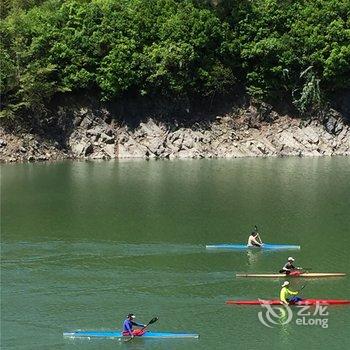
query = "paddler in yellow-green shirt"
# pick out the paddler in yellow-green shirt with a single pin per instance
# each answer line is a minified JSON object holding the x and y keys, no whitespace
{"x":287,"y":296}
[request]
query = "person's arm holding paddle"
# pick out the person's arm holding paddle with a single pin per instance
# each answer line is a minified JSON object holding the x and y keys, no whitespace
{"x":154,"y":319}
{"x":258,"y":235}
{"x":288,"y":267}
{"x":129,"y":323}
{"x":288,"y":296}
{"x":252,"y":240}
{"x":143,"y":329}
{"x":259,"y":238}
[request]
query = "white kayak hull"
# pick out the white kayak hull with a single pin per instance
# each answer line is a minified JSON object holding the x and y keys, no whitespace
{"x":282,"y":275}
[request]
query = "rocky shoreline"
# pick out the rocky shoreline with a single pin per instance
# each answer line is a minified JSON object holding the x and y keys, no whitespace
{"x":248,"y":133}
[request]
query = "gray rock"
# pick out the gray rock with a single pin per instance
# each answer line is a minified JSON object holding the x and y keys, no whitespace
{"x":265,"y":112}
{"x":98,"y":155}
{"x":78,"y":149}
{"x":172,"y":155}
{"x":177,"y":142}
{"x":151,"y":128}
{"x":93,"y":132}
{"x":160,"y":150}
{"x":109,"y":132}
{"x":109,"y":150}
{"x":187,"y":153}
{"x":311,"y":134}
{"x":82,"y":148}
{"x":289,"y":151}
{"x":176,"y":135}
{"x":153,"y":144}
{"x":132,"y":150}
{"x":344,"y":134}
{"x":107,"y":139}
{"x":166,"y":154}
{"x":100,"y":137}
{"x":188,"y":141}
{"x":172,"y":148}
{"x":86,"y":123}
{"x":288,"y":142}
{"x":123,"y":136}
{"x":88,"y":150}
{"x":338,"y":127}
{"x":330,"y":125}
{"x":151,"y":155}
{"x":77,"y":120}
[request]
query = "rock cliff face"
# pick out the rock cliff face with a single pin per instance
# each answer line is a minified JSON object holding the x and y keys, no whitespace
{"x":246,"y":134}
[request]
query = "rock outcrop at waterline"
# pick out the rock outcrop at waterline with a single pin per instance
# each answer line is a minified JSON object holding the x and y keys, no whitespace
{"x":248,"y":134}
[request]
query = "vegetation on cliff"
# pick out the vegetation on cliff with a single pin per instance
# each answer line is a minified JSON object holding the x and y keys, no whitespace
{"x":274,"y":50}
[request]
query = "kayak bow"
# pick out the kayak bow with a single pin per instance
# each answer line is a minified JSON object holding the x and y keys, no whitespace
{"x":267,"y":246}
{"x":279,"y":275}
{"x":299,"y":303}
{"x":119,"y":335}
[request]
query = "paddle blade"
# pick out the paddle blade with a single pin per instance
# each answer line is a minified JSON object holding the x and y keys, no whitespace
{"x":302,"y":287}
{"x":154,"y":319}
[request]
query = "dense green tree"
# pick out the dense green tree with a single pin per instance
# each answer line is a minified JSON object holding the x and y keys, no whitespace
{"x":296,"y":50}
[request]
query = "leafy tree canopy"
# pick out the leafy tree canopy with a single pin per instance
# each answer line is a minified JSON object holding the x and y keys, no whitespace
{"x":299,"y":50}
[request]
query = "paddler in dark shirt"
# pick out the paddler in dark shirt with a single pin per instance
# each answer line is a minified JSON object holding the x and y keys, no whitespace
{"x":129,"y":323}
{"x":254,"y":239}
{"x":289,"y":268}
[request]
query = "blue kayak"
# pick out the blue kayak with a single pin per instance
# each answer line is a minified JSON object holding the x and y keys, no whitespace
{"x":119,"y":335}
{"x":267,"y":246}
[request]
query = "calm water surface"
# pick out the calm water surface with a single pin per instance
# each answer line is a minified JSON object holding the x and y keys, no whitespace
{"x":83,"y":244}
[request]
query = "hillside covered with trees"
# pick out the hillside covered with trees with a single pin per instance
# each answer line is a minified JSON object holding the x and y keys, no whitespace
{"x":296,"y":51}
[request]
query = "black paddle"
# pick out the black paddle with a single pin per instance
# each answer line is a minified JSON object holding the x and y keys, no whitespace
{"x":302,"y":287}
{"x":153,"y":320}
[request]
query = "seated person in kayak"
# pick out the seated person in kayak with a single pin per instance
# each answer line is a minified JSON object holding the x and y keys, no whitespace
{"x":287,"y":296}
{"x":289,"y":268}
{"x":254,"y":239}
{"x":129,"y":323}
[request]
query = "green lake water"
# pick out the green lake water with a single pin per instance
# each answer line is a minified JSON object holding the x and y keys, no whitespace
{"x":85,"y":243}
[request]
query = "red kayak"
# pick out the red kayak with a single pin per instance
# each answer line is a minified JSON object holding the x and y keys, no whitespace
{"x":302,"y":302}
